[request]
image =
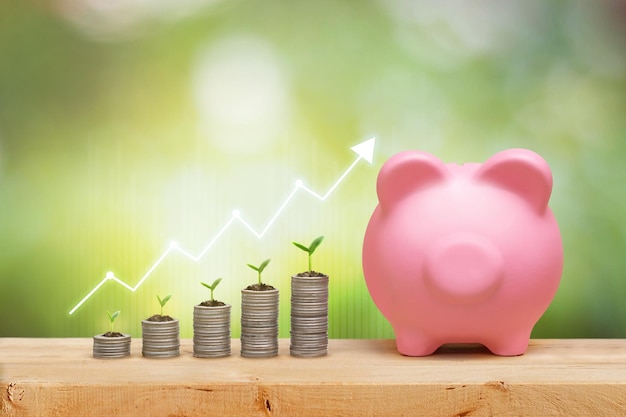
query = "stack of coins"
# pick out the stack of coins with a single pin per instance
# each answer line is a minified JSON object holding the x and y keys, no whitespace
{"x":111,"y":347}
{"x":259,"y":323}
{"x":309,"y":316}
{"x":160,"y":338}
{"x":211,"y":331}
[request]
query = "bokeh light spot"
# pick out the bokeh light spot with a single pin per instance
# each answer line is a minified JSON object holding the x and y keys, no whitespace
{"x":241,"y":94}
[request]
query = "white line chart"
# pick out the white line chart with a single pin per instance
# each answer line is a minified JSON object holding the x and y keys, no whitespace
{"x":364,"y":150}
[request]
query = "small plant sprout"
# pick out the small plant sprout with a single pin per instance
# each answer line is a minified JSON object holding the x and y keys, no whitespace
{"x":212,"y":286}
{"x":112,"y":318}
{"x":163,"y":301}
{"x":260,"y":268}
{"x":316,"y":242}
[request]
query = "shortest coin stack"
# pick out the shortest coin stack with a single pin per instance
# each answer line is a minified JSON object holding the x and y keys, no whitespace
{"x":211,"y":331}
{"x":160,"y":338}
{"x":259,"y":323}
{"x":309,"y":316}
{"x":111,"y":347}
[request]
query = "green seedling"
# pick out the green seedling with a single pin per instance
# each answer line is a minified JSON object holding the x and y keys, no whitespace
{"x":260,"y":268}
{"x":310,"y":249}
{"x":212,"y":286}
{"x":112,"y":318}
{"x":163,"y":301}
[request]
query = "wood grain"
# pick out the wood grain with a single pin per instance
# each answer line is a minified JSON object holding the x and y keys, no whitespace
{"x":58,"y":377}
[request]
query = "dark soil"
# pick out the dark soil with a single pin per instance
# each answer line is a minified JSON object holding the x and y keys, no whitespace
{"x":212,"y":303}
{"x":158,"y":317}
{"x":112,"y":334}
{"x":311,"y":274}
{"x":260,"y":287}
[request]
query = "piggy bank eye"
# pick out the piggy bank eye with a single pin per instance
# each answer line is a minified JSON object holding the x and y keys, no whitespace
{"x":522,"y":172}
{"x":407,"y":172}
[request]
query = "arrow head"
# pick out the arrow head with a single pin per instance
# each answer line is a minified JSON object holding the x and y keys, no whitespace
{"x":365,"y":149}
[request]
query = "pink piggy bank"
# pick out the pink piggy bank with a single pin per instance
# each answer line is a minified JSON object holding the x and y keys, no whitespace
{"x":463,"y":253}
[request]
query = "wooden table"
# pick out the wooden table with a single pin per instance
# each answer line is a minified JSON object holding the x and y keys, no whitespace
{"x":59,"y":377}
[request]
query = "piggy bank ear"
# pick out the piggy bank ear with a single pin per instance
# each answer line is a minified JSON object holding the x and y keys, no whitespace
{"x":522,"y":172}
{"x":405,"y":173}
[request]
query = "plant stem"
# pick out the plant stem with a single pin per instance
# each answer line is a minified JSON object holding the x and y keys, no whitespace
{"x":259,"y":277}
{"x":211,"y":294}
{"x":310,"y":269}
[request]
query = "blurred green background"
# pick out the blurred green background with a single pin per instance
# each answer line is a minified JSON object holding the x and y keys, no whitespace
{"x":127,"y":124}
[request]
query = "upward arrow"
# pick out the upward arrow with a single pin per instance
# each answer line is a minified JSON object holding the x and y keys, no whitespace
{"x":364,"y":150}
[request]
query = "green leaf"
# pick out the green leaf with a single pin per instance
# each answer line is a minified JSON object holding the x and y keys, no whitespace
{"x":263,"y":265}
{"x":215,"y":283}
{"x":301,"y":246}
{"x":164,"y":300}
{"x":113,"y":316}
{"x":316,"y":242}
{"x":254,"y":267}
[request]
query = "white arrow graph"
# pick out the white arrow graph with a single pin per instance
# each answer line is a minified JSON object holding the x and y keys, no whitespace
{"x":364,"y":150}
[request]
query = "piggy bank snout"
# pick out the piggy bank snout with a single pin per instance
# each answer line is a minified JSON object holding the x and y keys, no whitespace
{"x":463,"y":268}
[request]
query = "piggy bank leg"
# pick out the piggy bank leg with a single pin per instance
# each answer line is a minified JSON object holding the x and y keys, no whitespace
{"x":509,"y":344}
{"x":410,"y":342}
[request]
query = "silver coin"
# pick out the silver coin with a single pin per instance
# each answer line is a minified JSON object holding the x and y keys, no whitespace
{"x":155,"y":349}
{"x":171,"y":354}
{"x":297,"y":287}
{"x":174,"y":341}
{"x":211,"y":324}
{"x":259,"y":315}
{"x":211,"y":328}
{"x":268,"y":354}
{"x":311,"y":344}
{"x":203,"y":337}
{"x":211,"y":335}
{"x":252,"y":331}
{"x":311,"y":337}
{"x":211,"y":349}
{"x":307,"y":319}
{"x":317,"y":329}
{"x":315,"y":354}
{"x":308,"y":348}
{"x":111,"y":347}
{"x":259,"y":339}
{"x":298,"y":278}
{"x":207,"y":355}
{"x":299,"y":331}
{"x":310,"y":314}
{"x":312,"y":321}
{"x":256,"y":339}
{"x":199,"y":345}
{"x":164,"y":332}
{"x":211,"y":313}
{"x":157,"y":337}
{"x":309,"y":301}
{"x":261,"y":324}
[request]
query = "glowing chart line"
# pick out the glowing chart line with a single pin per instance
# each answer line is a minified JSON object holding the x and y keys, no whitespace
{"x":364,"y":150}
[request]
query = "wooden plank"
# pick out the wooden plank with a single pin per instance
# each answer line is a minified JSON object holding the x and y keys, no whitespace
{"x":58,"y":377}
